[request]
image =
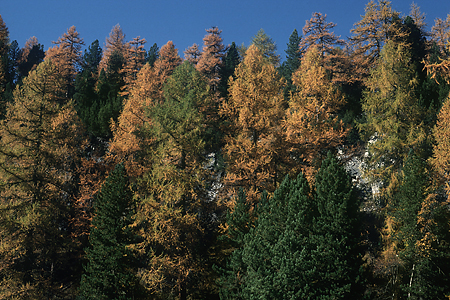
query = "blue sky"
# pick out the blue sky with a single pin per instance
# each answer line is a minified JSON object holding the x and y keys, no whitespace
{"x":184,"y":22}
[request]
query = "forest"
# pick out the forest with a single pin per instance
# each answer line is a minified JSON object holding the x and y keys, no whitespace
{"x":230,"y":173}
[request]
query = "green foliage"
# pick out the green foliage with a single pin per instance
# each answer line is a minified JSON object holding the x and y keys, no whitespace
{"x":267,"y":46}
{"x":38,"y":152}
{"x":301,"y":246}
{"x":230,"y":62}
{"x":152,"y":54}
{"x":292,"y":62}
{"x":421,"y":244}
{"x":98,"y":101}
{"x":392,"y":111}
{"x":336,"y":256}
{"x":109,"y":270}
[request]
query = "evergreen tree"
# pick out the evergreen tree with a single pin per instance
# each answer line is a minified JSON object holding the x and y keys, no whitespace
{"x":32,"y":54}
{"x":230,"y":63}
{"x":109,"y":270}
{"x":152,"y":54}
{"x":92,"y":57}
{"x":336,"y":255}
{"x":4,"y":49}
{"x":239,"y":220}
{"x":292,"y":62}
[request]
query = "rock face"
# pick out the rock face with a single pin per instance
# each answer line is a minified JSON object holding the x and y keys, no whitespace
{"x":356,"y":166}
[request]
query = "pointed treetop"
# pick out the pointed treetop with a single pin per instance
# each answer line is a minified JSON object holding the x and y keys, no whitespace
{"x":317,"y":31}
{"x":267,"y":46}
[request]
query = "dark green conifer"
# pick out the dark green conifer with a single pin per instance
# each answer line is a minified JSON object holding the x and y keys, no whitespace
{"x":152,"y":54}
{"x":109,"y":270}
{"x":336,"y":256}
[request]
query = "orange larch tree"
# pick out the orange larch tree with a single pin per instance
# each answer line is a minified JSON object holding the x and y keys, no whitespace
{"x":370,"y":34}
{"x":210,"y":60}
{"x":135,"y":61}
{"x":440,"y":32}
{"x":311,"y":122}
{"x":253,"y":139}
{"x":67,"y":56}
{"x":146,"y":91}
{"x":115,"y":42}
{"x":192,"y":54}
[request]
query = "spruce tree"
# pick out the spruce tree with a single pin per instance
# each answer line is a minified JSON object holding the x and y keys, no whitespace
{"x":152,"y":54}
{"x":336,"y":257}
{"x":109,"y":269}
{"x":292,"y":62}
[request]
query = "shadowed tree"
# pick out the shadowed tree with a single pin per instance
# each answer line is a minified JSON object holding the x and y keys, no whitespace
{"x":40,"y":137}
{"x":115,"y":42}
{"x":109,"y":270}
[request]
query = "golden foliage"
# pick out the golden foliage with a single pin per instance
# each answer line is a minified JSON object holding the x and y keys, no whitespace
{"x":311,"y":121}
{"x":66,"y":55}
{"x":146,"y":91}
{"x":254,"y":110}
{"x":441,"y":150}
{"x":115,"y":42}
{"x":211,"y":58}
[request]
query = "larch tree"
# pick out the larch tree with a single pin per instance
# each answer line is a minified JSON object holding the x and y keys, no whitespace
{"x":145,"y":93}
{"x":192,"y":54}
{"x":135,"y":60}
{"x":369,"y":35}
{"x":115,"y":42}
{"x":67,"y":56}
{"x":173,"y":209}
{"x":317,"y":31}
{"x":311,"y":123}
{"x":392,"y":112}
{"x":210,"y":63}
{"x":39,"y":140}
{"x":266,"y":46}
{"x":440,"y":33}
{"x":418,"y":17}
{"x":254,"y":140}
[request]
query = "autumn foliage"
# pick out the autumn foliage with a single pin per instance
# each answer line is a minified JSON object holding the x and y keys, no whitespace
{"x":128,"y":172}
